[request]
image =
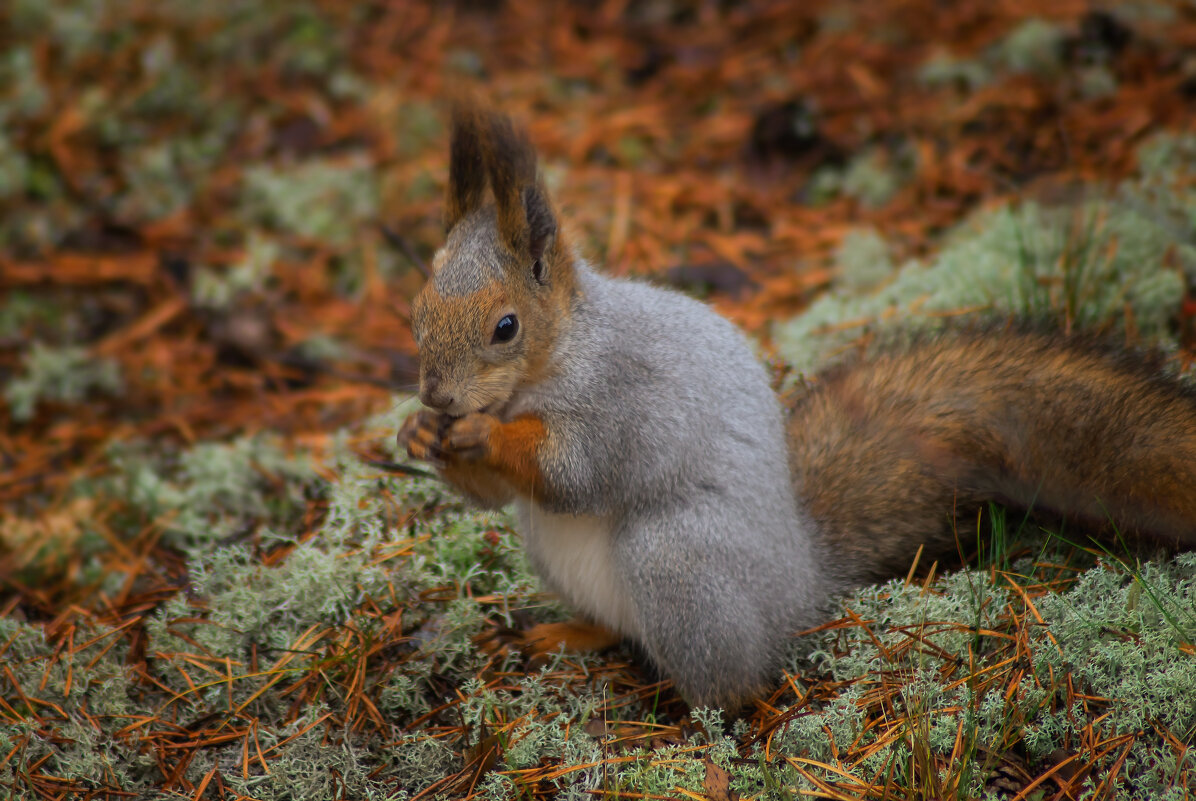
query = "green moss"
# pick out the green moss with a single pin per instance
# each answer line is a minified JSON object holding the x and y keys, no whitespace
{"x":23,"y":91}
{"x":320,"y":199}
{"x":14,"y":169}
{"x":250,"y":274}
{"x":1110,"y":645}
{"x":1086,"y":266}
{"x":1034,"y":46}
{"x":863,"y":260}
{"x":22,"y":313}
{"x":943,"y":69}
{"x":67,"y":374}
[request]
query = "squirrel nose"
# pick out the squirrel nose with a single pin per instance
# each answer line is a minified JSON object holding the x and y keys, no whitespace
{"x":432,"y":395}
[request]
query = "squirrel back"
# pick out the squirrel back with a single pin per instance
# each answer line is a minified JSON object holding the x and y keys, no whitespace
{"x":660,"y":489}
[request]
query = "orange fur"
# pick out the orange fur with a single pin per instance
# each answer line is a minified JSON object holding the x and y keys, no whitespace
{"x":539,"y":642}
{"x":902,"y":448}
{"x":573,"y":635}
{"x":515,"y":447}
{"x":482,"y":450}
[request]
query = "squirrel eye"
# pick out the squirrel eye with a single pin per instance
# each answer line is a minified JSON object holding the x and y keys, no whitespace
{"x":506,"y":329}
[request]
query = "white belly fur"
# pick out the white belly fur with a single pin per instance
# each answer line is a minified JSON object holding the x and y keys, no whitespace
{"x":573,"y":555}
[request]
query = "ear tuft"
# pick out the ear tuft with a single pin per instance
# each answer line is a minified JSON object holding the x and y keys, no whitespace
{"x":512,"y":167}
{"x":486,"y":145}
{"x":526,"y":221}
{"x":541,"y":221}
{"x":467,"y":170}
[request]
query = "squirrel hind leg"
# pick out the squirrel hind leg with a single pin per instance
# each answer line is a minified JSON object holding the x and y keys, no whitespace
{"x":705,"y":626}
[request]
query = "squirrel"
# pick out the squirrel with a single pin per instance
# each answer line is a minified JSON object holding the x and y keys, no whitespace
{"x":663,"y":490}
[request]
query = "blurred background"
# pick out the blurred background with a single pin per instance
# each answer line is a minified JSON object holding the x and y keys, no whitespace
{"x":212,"y":215}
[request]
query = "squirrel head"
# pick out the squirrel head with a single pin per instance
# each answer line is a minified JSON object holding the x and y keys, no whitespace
{"x":487,"y":320}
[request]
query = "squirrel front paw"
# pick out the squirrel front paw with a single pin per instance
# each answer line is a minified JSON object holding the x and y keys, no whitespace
{"x":421,"y":435}
{"x":468,"y":438}
{"x":476,"y":451}
{"x":434,"y":437}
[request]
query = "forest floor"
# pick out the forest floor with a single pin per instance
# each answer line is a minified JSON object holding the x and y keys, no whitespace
{"x":213,"y":218}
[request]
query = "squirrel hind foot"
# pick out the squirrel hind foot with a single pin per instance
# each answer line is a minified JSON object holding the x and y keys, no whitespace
{"x":540,"y":642}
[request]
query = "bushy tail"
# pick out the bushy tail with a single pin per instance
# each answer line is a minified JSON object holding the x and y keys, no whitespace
{"x":895,"y":450}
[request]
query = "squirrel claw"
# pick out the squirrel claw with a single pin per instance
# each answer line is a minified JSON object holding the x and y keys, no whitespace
{"x":420,"y":435}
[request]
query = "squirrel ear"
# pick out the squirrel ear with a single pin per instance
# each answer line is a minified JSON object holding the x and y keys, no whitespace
{"x":467,"y":169}
{"x":525,"y":219}
{"x":541,"y":221}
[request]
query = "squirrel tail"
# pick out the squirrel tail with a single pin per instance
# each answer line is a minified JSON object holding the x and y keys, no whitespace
{"x":899,"y":449}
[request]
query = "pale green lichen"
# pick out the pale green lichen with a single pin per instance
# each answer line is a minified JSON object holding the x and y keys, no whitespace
{"x":210,"y":289}
{"x":163,"y":134}
{"x":14,"y":169}
{"x":22,"y":90}
{"x":66,"y":374}
{"x":77,"y":27}
{"x":871,"y":179}
{"x":27,"y":314}
{"x":1149,"y":11}
{"x":1087,"y":266}
{"x":1035,"y":46}
{"x":1117,"y":632}
{"x":863,"y":260}
{"x":212,"y":491}
{"x":418,"y":126}
{"x":320,"y":199}
{"x":1113,"y":646}
{"x":1167,"y":156}
{"x":1120,"y":630}
{"x":1096,"y":82}
{"x":238,"y":609}
{"x":943,"y":69}
{"x":322,"y":348}
{"x":163,"y":178}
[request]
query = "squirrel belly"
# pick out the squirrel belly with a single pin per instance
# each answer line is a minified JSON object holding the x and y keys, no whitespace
{"x":574,"y":556}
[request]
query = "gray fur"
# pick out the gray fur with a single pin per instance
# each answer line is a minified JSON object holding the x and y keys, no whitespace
{"x":662,"y":423}
{"x":474,"y":243}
